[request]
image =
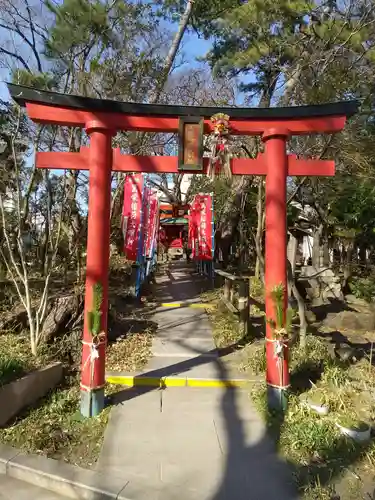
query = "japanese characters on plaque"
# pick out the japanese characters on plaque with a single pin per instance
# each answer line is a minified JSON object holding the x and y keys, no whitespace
{"x":191,"y":144}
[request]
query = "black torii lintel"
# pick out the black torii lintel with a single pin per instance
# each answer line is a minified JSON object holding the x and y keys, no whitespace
{"x":22,"y":95}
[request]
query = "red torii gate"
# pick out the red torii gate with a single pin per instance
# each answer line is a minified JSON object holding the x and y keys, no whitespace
{"x":103,"y":118}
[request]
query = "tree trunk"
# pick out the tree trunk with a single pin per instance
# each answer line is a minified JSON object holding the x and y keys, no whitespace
{"x":44,"y":249}
{"x":171,"y":56}
{"x":292,"y":287}
{"x":316,"y":248}
{"x":230,"y":217}
{"x":301,"y":314}
{"x":168,"y":63}
{"x":65,"y":309}
{"x":232,"y":207}
{"x":32,"y":327}
{"x":259,"y":266}
{"x":291,"y":256}
{"x":348,"y":264}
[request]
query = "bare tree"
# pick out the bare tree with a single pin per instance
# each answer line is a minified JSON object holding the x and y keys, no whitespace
{"x":14,"y":208}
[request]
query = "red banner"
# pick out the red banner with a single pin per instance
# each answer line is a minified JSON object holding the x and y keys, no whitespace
{"x":193,"y":230}
{"x":132,"y":212}
{"x":145,"y":217}
{"x":152,"y":224}
{"x":200,"y":227}
{"x":205,"y":227}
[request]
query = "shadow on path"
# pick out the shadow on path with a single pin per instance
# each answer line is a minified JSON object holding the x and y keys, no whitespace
{"x":252,"y":468}
{"x":250,"y":471}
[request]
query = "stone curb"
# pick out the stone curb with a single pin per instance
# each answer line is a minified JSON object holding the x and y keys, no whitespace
{"x":59,"y":477}
{"x":26,"y":390}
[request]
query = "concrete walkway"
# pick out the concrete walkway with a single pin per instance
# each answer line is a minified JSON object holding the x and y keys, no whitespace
{"x":12,"y":489}
{"x":190,"y":443}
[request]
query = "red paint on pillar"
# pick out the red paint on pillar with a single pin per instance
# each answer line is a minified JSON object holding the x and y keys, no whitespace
{"x":276,"y":244}
{"x":97,"y":261}
{"x":57,"y":115}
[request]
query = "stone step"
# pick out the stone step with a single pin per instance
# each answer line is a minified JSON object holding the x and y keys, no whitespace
{"x":184,"y":327}
{"x":184,"y":347}
{"x":164,"y":365}
{"x":180,"y":372}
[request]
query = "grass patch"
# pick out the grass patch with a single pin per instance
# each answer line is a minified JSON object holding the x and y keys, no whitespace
{"x":224,"y":323}
{"x":316,"y":491}
{"x":225,"y":327}
{"x":314,"y":447}
{"x":257,"y":289}
{"x":312,"y":443}
{"x":248,"y":354}
{"x":319,"y":455}
{"x":54,"y":426}
{"x":15,"y":357}
{"x":130,"y":353}
{"x":257,"y":360}
{"x":56,"y":429}
{"x":10,"y":369}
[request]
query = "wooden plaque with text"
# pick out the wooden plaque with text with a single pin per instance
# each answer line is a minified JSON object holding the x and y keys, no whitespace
{"x":190,"y":153}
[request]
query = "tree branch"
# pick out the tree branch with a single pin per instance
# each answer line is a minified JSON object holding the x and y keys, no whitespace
{"x":17,"y":57}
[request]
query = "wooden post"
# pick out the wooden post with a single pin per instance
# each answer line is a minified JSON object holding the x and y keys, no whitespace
{"x":232,"y":290}
{"x":227,"y":289}
{"x":244,"y":307}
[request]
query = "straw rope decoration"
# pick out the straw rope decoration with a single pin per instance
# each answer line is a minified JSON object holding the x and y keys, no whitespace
{"x":98,"y":336}
{"x":219,"y":147}
{"x":281,"y":329}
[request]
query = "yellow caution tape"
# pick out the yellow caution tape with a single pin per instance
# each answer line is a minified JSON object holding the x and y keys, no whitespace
{"x":193,"y":306}
{"x":145,"y":381}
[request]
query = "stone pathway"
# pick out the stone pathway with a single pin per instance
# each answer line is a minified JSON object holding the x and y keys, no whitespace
{"x":190,"y":443}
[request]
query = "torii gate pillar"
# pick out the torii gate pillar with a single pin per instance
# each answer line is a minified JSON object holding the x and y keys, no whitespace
{"x":277,"y":376}
{"x":97,"y":267}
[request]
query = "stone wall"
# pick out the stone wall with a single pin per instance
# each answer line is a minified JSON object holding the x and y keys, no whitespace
{"x":25,"y":391}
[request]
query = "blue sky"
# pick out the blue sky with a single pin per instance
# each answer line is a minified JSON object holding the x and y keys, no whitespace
{"x":3,"y":90}
{"x":193,"y":47}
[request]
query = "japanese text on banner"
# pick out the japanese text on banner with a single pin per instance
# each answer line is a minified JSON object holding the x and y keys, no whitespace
{"x":145,"y":218}
{"x":152,"y":224}
{"x":200,"y":227}
{"x":132,"y":214}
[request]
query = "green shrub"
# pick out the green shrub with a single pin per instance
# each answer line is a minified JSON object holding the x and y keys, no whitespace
{"x":363,"y":288}
{"x":15,"y":357}
{"x":257,"y":360}
{"x":10,"y":369}
{"x":256,"y":288}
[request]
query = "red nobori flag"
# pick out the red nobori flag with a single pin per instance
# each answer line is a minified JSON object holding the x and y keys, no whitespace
{"x":132,"y":212}
{"x":152,"y":223}
{"x":145,"y":218}
{"x":203,"y":210}
{"x":193,"y":229}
